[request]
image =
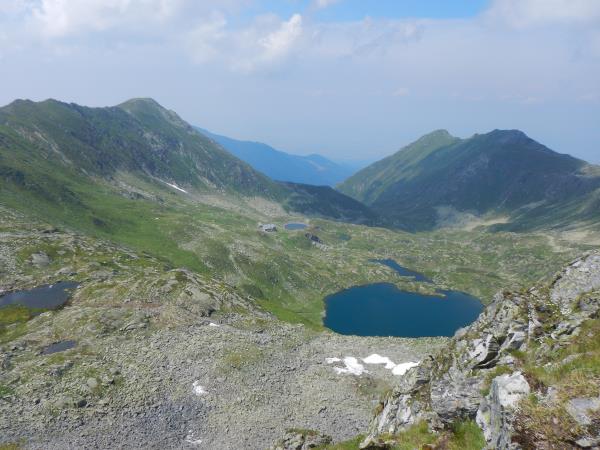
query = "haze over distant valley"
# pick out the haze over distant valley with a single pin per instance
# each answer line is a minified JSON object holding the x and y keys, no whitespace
{"x":312,"y":169}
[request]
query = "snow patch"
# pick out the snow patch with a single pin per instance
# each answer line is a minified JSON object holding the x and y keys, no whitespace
{"x":174,"y":186}
{"x":401,"y":369}
{"x":199,"y":390}
{"x":397,"y":369}
{"x":212,"y":324}
{"x":353,"y":367}
{"x":377,"y":359}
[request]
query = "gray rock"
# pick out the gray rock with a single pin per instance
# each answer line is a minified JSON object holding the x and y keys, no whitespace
{"x":580,"y":409}
{"x":588,"y":442}
{"x":496,"y":412}
{"x":583,"y":275}
{"x":40,"y":259}
{"x":92,"y":383}
{"x":302,"y":440}
{"x":65,"y":271}
{"x":485,"y":351}
{"x":456,"y":396}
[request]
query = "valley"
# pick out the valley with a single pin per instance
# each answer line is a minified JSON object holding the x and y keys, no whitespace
{"x":299,"y":225}
{"x":190,"y":326}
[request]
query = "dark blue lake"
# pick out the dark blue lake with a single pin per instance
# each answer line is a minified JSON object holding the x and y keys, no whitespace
{"x":44,"y":297}
{"x":402,"y":271}
{"x":381,"y":309}
{"x":295,"y":226}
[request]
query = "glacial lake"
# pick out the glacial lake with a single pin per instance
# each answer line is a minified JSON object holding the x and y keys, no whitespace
{"x":402,"y":271}
{"x":295,"y":226}
{"x":381,"y":309}
{"x":45,"y":297}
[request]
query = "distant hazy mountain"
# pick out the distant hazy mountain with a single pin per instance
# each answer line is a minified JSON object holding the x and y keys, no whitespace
{"x":498,"y":174}
{"x":311,"y":169}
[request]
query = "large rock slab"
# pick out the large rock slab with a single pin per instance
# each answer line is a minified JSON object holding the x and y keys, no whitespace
{"x":496,"y":412}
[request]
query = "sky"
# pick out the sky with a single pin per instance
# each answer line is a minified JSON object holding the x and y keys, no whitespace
{"x":349,"y":79}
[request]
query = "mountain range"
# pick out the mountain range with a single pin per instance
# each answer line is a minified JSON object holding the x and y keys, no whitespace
{"x":311,"y":169}
{"x":59,"y":155}
{"x":502,"y":176}
{"x":180,"y":316}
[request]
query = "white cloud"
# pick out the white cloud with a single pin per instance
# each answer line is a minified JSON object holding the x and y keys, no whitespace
{"x":265,"y":43}
{"x":58,"y":18}
{"x":523,"y":13}
{"x":12,"y":6}
{"x":278,"y":43}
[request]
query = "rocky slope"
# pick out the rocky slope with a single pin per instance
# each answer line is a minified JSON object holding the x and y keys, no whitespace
{"x":167,"y":358}
{"x":527,"y":371}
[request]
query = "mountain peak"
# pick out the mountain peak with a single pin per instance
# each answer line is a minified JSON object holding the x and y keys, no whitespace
{"x":141,"y":103}
{"x":152,"y":113}
{"x":439,"y":133}
{"x":508,"y":135}
{"x":435,"y":138}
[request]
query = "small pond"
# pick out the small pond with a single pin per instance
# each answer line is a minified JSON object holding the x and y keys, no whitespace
{"x":295,"y":226}
{"x":58,"y":347}
{"x":402,"y":271}
{"x":45,"y":297}
{"x":381,"y":309}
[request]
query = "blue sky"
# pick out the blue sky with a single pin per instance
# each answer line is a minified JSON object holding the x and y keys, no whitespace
{"x":349,"y":79}
{"x":351,"y":10}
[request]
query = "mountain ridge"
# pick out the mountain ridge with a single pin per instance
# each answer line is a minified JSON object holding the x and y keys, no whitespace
{"x":503,"y":172}
{"x":59,"y":153}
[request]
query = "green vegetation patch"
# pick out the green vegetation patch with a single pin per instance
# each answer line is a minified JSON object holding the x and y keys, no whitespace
{"x":466,"y":435}
{"x":13,"y":320}
{"x":240,"y":358}
{"x":462,"y":435}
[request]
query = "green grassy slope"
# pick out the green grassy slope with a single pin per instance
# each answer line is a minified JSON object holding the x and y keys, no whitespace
{"x":498,"y":173}
{"x":323,"y":201}
{"x":138,"y":136}
{"x":369,"y":183}
{"x":44,"y":145}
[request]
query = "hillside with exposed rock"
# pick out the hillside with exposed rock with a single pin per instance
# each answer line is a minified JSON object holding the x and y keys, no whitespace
{"x":527,"y":372}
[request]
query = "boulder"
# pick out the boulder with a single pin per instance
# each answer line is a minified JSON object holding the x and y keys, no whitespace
{"x":581,"y":408}
{"x":40,"y":259}
{"x":484,"y":351}
{"x":302,"y":440}
{"x":496,"y":412}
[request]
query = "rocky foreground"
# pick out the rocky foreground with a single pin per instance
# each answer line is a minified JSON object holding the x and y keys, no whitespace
{"x":527,"y":371}
{"x":166,"y":358}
